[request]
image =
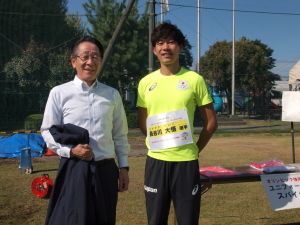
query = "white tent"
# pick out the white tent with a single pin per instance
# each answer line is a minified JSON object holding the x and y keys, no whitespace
{"x":294,"y":73}
{"x":281,"y":86}
{"x":289,"y":99}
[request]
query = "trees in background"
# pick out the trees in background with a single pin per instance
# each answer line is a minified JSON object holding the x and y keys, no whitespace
{"x":253,"y":62}
{"x":129,"y":60}
{"x":43,"y":21}
{"x":37,"y":37}
{"x":33,"y":37}
{"x":33,"y":33}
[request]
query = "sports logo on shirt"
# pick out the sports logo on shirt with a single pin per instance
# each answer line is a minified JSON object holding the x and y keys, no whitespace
{"x":152,"y":86}
{"x":183,"y":85}
{"x":195,"y":190}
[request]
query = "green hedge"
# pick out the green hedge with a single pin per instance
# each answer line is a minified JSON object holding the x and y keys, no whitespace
{"x":33,"y":122}
{"x":132,"y":119}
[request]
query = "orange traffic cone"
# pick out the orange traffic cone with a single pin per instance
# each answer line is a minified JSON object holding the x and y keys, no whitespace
{"x":49,"y":153}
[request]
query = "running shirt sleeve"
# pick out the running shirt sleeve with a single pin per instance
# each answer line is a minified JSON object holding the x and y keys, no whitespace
{"x":141,"y":95}
{"x":202,"y":93}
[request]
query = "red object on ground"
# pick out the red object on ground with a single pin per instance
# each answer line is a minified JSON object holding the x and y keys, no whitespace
{"x":49,"y":152}
{"x":42,"y":186}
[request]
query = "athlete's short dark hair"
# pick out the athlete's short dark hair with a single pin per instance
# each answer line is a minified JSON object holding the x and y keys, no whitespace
{"x":167,"y":30}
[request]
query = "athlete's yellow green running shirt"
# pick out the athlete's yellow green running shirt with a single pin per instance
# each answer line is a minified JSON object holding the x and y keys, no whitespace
{"x":161,"y":94}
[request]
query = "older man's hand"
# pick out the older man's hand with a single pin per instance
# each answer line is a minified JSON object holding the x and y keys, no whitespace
{"x":83,"y":152}
{"x":123,"y":180}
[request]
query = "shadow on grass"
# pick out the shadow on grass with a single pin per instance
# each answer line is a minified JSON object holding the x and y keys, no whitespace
{"x":274,"y":129}
{"x":42,"y":171}
{"x":250,"y":131}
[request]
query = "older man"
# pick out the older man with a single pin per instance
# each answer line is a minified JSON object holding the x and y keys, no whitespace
{"x":97,"y":108}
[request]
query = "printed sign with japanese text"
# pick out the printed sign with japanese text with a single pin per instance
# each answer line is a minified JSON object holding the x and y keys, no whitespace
{"x":167,"y":130}
{"x":283,"y":190}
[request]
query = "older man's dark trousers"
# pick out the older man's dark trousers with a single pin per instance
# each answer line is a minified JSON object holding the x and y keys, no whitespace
{"x":109,"y":178}
{"x":84,"y":193}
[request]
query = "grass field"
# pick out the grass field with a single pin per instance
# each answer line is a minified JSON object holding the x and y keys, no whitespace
{"x":243,"y":203}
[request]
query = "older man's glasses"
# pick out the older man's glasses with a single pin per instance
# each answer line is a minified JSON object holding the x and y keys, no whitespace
{"x":85,"y":57}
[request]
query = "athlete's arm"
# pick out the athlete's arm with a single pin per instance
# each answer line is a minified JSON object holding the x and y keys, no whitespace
{"x":142,"y":113}
{"x":210,"y":125}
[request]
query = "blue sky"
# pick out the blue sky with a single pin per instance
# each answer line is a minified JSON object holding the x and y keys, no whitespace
{"x":275,"y":22}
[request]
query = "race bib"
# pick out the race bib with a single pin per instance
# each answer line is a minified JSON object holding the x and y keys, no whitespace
{"x":168,"y":130}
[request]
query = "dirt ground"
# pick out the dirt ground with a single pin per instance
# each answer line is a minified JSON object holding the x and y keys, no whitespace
{"x":137,"y":147}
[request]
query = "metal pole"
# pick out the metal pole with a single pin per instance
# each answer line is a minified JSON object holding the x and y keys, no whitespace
{"x":292,"y":134}
{"x":293,"y":142}
{"x":233,"y":61}
{"x":162,"y":16}
{"x":115,"y":36}
{"x":151,"y":26}
{"x":199,"y":52}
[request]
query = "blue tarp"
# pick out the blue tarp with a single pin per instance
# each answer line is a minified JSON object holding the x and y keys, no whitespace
{"x":11,"y":146}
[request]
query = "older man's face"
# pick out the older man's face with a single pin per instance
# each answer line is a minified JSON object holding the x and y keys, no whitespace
{"x":87,"y":62}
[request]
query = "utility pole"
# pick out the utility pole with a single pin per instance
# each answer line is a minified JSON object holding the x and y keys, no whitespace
{"x":162,"y":15}
{"x":151,"y":27}
{"x":233,"y":60}
{"x":115,"y":36}
{"x":199,"y":44}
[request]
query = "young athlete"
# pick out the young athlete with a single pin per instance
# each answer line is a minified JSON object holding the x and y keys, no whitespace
{"x":167,"y":99}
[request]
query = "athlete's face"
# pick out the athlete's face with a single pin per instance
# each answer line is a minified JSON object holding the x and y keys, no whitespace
{"x":167,"y":51}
